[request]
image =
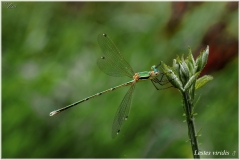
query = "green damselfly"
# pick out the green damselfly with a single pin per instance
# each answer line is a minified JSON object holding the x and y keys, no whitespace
{"x":114,"y":64}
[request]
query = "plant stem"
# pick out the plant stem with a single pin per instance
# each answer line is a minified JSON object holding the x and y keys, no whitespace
{"x":190,"y":122}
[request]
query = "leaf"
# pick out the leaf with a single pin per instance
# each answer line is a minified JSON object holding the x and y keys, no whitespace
{"x":205,"y":57}
{"x":184,"y":68}
{"x":201,"y":60}
{"x":191,"y":81}
{"x":202,"y":81}
{"x":191,"y":62}
{"x":172,"y":76}
{"x":190,"y":67}
{"x":175,"y":66}
{"x":190,"y":57}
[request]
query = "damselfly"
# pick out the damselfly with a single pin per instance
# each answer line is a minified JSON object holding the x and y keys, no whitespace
{"x":114,"y":64}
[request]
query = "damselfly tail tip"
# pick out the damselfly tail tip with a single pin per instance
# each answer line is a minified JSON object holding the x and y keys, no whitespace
{"x":53,"y":113}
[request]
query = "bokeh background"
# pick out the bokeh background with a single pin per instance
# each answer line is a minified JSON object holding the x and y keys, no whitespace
{"x":49,"y":54}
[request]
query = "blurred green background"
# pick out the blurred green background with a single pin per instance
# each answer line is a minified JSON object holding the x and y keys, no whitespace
{"x":49,"y":54}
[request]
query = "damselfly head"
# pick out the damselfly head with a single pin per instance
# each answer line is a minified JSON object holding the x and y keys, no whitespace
{"x":153,"y":74}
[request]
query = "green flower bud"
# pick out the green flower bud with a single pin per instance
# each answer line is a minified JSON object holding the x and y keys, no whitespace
{"x":191,"y":81}
{"x":172,"y":76}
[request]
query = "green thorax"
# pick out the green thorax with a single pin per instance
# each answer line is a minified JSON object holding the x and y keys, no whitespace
{"x":144,"y":74}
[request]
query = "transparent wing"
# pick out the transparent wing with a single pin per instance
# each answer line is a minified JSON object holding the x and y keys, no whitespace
{"x":108,"y":67}
{"x":112,"y":63}
{"x":122,"y":112}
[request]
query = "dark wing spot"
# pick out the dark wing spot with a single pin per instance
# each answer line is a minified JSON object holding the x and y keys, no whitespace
{"x":102,"y":57}
{"x":118,"y":131}
{"x":104,"y":35}
{"x":126,"y":117}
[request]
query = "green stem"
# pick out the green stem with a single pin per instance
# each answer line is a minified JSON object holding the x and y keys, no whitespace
{"x":190,"y":122}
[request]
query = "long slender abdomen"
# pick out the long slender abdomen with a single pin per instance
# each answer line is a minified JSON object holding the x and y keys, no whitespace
{"x":95,"y":95}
